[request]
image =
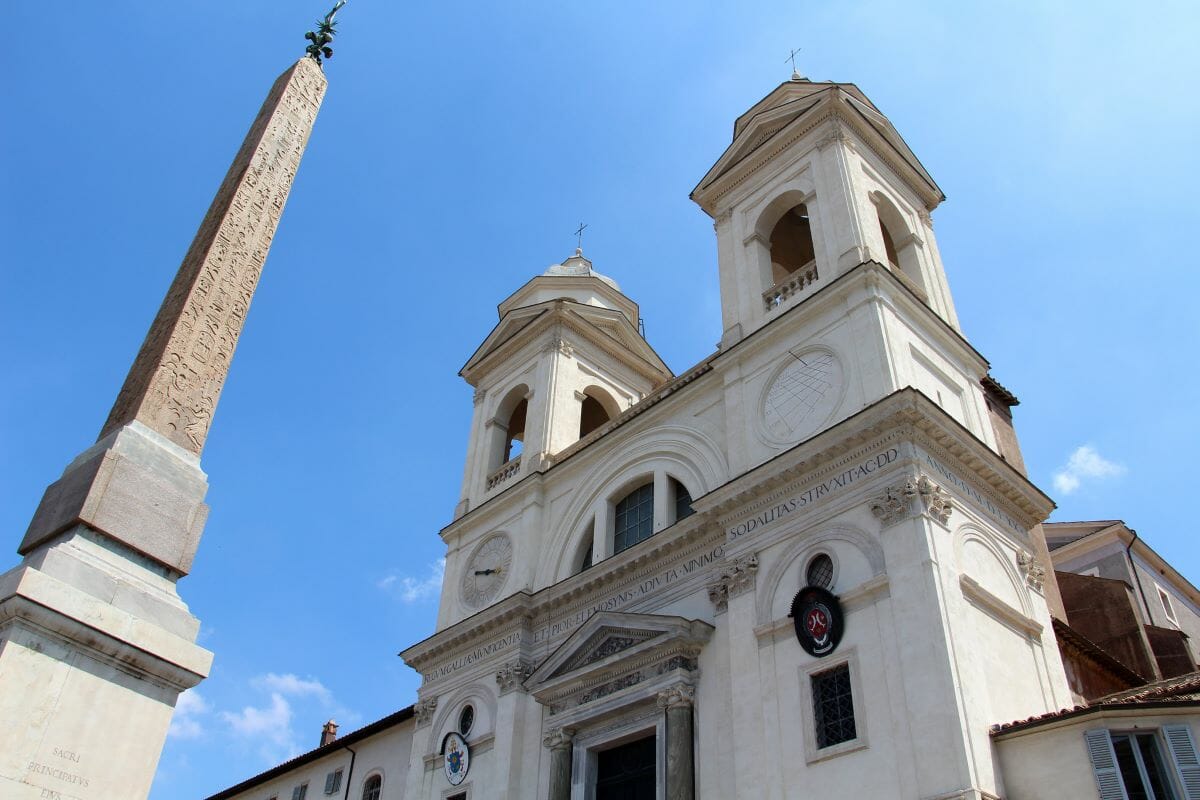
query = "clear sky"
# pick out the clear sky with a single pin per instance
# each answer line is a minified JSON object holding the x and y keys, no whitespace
{"x":459,"y":147}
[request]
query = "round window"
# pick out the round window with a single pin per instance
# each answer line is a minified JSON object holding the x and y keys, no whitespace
{"x":820,"y":572}
{"x":466,"y":719}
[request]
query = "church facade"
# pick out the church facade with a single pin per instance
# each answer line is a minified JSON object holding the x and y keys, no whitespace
{"x":809,"y":566}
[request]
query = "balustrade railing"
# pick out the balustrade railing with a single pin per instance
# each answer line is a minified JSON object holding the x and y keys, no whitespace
{"x":797,"y":282}
{"x":506,"y":471}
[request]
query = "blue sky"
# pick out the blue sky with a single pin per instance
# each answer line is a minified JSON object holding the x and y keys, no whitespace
{"x":457,"y":151}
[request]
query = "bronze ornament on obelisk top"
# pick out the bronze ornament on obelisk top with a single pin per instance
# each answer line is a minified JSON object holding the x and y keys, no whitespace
{"x":95,"y":643}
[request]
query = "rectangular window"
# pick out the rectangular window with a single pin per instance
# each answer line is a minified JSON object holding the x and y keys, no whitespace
{"x":300,"y":792}
{"x":333,"y":781}
{"x":634,"y":518}
{"x":1141,"y":764}
{"x":1168,"y":608}
{"x":833,"y":706}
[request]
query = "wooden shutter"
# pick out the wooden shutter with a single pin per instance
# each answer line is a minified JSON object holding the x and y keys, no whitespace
{"x":1183,"y":752}
{"x":329,"y":788}
{"x":1104,"y":764}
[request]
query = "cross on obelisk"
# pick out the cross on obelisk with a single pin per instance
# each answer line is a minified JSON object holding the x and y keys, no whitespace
{"x":96,"y":643}
{"x":579,"y":235}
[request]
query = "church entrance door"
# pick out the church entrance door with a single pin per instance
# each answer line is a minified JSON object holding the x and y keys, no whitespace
{"x":627,"y":772}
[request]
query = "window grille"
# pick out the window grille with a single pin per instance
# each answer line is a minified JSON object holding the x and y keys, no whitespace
{"x":634,"y":518}
{"x":833,"y":706}
{"x":372,"y":788}
{"x":820,"y":572}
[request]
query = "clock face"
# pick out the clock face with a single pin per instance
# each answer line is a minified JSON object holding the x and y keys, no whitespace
{"x":486,"y":571}
{"x":802,"y":395}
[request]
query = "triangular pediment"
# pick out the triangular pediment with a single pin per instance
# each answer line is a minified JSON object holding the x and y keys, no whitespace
{"x":609,"y":638}
{"x":796,"y":106}
{"x":606,"y":328}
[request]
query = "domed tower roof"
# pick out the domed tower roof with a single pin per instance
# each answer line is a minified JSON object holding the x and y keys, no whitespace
{"x":577,"y":281}
{"x":578,"y":266}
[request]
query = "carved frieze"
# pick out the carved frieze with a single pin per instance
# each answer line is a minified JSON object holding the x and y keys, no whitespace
{"x":424,"y":711}
{"x":511,"y":675}
{"x":937,"y":502}
{"x":177,"y":376}
{"x":1032,"y":569}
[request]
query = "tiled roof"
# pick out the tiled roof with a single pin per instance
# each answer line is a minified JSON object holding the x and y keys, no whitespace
{"x":1182,"y":690}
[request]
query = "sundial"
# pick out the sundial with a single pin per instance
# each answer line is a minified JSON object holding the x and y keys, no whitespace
{"x":802,"y":394}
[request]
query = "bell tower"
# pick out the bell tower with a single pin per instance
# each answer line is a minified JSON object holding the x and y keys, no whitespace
{"x":565,"y":358}
{"x":815,"y":182}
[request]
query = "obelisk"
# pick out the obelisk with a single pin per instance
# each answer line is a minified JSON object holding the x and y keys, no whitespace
{"x":95,"y":643}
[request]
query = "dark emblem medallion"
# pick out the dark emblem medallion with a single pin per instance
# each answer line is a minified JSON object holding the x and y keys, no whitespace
{"x":817,"y":615}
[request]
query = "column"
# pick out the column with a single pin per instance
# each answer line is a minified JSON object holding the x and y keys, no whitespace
{"x":559,"y":744}
{"x":681,"y":764}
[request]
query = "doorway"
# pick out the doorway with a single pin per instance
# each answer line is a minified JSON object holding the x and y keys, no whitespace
{"x":627,"y":772}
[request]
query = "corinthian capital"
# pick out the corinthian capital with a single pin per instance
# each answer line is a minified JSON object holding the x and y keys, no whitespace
{"x":680,"y":696}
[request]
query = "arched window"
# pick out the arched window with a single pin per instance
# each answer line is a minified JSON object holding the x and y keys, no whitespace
{"x":372,"y":788}
{"x":587,"y":548}
{"x":899,"y":246}
{"x":634,"y":518}
{"x":683,"y":501}
{"x":791,"y":244}
{"x":820,"y":572}
{"x":591,"y":415}
{"x":514,"y":439}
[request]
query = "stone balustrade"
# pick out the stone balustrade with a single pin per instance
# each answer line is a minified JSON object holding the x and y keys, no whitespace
{"x":507,"y":470}
{"x":799,"y":280}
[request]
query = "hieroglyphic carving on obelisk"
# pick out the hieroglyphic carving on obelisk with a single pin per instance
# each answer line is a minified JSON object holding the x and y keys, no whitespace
{"x":176,"y":380}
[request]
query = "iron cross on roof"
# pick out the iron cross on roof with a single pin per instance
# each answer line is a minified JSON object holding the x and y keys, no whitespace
{"x":792,"y":58}
{"x":579,"y":234}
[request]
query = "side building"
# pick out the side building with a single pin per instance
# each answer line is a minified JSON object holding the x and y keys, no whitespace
{"x":811,"y":560}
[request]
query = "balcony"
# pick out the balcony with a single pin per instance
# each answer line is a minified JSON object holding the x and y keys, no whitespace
{"x":507,"y":470}
{"x":796,"y":283}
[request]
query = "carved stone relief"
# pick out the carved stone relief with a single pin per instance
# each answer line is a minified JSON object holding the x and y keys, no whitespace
{"x":737,"y":578}
{"x":511,"y":675}
{"x":1031,"y":568}
{"x":911,"y":498}
{"x":424,"y":711}
{"x":176,"y":379}
{"x":680,"y":696}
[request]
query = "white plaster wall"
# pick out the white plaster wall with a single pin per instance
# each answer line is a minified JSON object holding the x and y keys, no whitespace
{"x":1051,"y":762}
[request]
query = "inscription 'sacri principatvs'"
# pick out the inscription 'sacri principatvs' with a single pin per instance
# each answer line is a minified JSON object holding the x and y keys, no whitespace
{"x":176,"y":379}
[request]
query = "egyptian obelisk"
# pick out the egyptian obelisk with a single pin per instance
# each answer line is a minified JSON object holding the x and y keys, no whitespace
{"x":95,"y":643}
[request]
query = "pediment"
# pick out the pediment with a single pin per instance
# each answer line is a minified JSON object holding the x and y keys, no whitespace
{"x":610,"y":642}
{"x":796,"y":106}
{"x":607,"y":328}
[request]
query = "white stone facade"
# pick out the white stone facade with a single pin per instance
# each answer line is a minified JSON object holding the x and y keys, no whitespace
{"x":842,"y":416}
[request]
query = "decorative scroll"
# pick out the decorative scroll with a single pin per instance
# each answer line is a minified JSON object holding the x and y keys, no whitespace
{"x":559,"y":739}
{"x":176,"y":379}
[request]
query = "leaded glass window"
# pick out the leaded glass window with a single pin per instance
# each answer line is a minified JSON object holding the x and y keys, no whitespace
{"x":833,"y":706}
{"x":634,"y":518}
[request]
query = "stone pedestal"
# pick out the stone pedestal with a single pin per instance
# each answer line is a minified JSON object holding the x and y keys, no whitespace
{"x":95,"y":643}
{"x":559,"y":743}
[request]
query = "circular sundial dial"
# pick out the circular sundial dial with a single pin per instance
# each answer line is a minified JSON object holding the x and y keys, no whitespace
{"x":802,"y":395}
{"x":486,"y":571}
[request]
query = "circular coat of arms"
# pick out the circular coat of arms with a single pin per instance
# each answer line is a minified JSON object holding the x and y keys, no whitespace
{"x":817,"y":615}
{"x":458,"y":758}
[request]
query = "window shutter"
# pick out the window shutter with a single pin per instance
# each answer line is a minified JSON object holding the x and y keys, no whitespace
{"x":329,"y":788}
{"x":1104,"y":764}
{"x":1183,"y":751}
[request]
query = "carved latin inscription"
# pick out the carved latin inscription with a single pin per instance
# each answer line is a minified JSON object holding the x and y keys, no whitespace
{"x":176,"y":379}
